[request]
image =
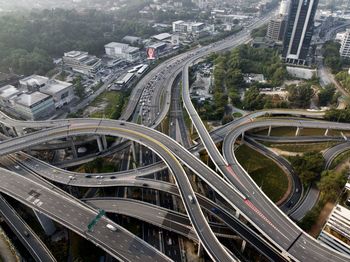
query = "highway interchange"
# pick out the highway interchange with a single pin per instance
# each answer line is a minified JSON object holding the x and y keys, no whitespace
{"x":278,"y":238}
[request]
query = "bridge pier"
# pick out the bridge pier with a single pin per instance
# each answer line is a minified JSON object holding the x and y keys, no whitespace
{"x":237,"y":213}
{"x":243,"y":245}
{"x":104,"y":142}
{"x":46,"y":223}
{"x":326,"y":132}
{"x":99,"y":143}
{"x":200,"y":249}
{"x":344,"y":136}
{"x":4,"y":130}
{"x":297,"y":132}
{"x":133,"y":152}
{"x":74,"y":150}
{"x":269,"y":132}
{"x":242,"y":137}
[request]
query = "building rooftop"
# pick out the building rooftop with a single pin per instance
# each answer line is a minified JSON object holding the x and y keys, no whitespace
{"x":115,"y":44}
{"x":54,"y":86}
{"x":162,"y":36}
{"x":34,"y":80}
{"x":28,"y":100}
{"x":8,"y":91}
{"x":178,"y":22}
{"x":75,"y":54}
{"x":157,"y":45}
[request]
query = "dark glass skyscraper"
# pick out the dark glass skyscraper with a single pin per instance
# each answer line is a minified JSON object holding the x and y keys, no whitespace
{"x":299,"y":30}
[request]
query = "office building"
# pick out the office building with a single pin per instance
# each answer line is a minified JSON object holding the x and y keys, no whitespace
{"x":61,"y":92}
{"x":345,"y":45}
{"x":81,"y":62}
{"x":123,"y":51}
{"x":33,"y":106}
{"x":275,"y":29}
{"x":299,"y":30}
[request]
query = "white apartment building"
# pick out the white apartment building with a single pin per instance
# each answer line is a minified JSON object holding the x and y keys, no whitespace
{"x":345,"y":45}
{"x":81,"y":62}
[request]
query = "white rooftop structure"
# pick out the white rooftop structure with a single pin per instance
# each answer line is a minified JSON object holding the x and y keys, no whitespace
{"x":162,"y":36}
{"x":8,"y":91}
{"x":55,"y":86}
{"x":29,"y":100}
{"x":34,"y":80}
{"x":124,"y":51}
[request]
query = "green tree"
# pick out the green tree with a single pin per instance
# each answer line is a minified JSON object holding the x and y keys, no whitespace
{"x":299,"y":96}
{"x":326,"y":95}
{"x":332,"y":183}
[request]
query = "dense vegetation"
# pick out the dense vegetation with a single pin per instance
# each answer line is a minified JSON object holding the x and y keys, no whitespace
{"x":228,"y":80}
{"x":331,"y":55}
{"x":338,"y":115}
{"x":330,"y":186}
{"x":343,"y":78}
{"x":308,"y":166}
{"x":28,"y":42}
{"x":326,"y":95}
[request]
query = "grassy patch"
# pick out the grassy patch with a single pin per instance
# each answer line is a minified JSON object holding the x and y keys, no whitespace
{"x":264,"y":172}
{"x":340,"y":158}
{"x":114,"y":103}
{"x":307,"y":147}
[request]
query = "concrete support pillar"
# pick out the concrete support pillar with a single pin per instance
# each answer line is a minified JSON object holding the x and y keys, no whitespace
{"x":19,"y":131}
{"x":243,"y":246}
{"x":99,"y":143}
{"x":141,"y":158}
{"x":200,"y":249}
{"x":269,"y":132}
{"x":104,"y":142}
{"x":344,"y":136}
{"x":161,"y":241}
{"x":242,"y":136}
{"x":326,"y":132}
{"x":74,"y":150}
{"x":297,"y":132}
{"x":4,"y":130}
{"x":237,"y":213}
{"x":133,"y":151}
{"x":15,"y":132}
{"x":46,"y":223}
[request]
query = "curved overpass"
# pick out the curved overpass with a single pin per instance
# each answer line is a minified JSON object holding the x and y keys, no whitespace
{"x":147,"y":137}
{"x":76,"y":216}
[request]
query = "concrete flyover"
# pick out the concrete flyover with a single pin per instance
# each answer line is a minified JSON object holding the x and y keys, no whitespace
{"x":76,"y":216}
{"x":325,"y":254}
{"x":147,"y":137}
{"x":28,"y":237}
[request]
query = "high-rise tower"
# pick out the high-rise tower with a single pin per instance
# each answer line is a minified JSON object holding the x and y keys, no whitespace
{"x":299,"y":30}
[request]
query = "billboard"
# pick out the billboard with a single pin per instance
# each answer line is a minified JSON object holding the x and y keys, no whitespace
{"x":151,"y":53}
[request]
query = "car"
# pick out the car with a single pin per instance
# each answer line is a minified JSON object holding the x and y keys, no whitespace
{"x":145,"y":184}
{"x":17,"y":167}
{"x":26,"y":234}
{"x":87,"y":176}
{"x":190,"y":197}
{"x":111,"y":227}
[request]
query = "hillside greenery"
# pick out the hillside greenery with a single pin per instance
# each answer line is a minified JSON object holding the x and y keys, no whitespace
{"x":29,"y":42}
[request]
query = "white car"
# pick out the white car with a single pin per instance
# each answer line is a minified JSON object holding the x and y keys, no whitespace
{"x":110,"y":227}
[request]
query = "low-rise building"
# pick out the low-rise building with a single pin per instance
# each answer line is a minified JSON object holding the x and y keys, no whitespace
{"x":188,"y":27}
{"x":81,"y":62}
{"x":6,"y":93}
{"x":336,"y":232}
{"x":33,"y":106}
{"x":123,"y":51}
{"x":33,"y":82}
{"x":61,"y":92}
